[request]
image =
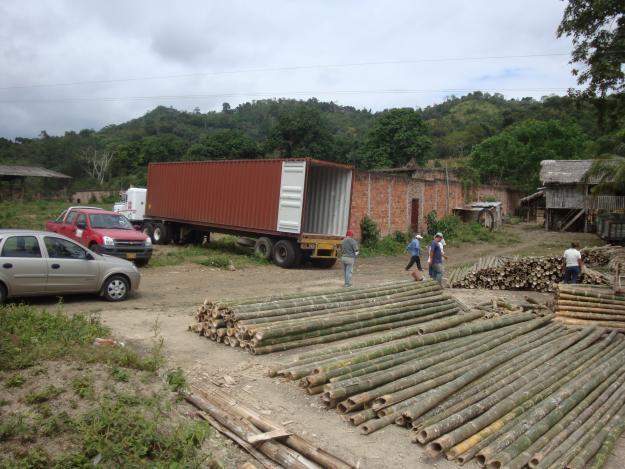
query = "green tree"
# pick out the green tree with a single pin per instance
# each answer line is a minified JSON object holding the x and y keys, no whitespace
{"x":514,"y":155}
{"x":396,"y":137}
{"x":224,"y":144}
{"x":598,"y":32}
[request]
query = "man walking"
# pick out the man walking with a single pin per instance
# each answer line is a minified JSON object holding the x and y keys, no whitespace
{"x":414,"y":248}
{"x":435,"y":259}
{"x":349,"y":251}
{"x":572,"y":263}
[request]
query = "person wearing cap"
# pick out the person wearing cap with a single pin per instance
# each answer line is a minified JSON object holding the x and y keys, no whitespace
{"x":436,"y":257}
{"x":349,"y":251}
{"x":414,"y":248}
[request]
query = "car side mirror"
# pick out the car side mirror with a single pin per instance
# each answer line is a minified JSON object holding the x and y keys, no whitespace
{"x":81,"y":224}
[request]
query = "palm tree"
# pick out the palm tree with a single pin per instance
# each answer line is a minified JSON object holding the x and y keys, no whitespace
{"x":609,"y":170}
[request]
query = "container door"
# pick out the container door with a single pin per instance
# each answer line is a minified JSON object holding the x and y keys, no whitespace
{"x":291,"y":196}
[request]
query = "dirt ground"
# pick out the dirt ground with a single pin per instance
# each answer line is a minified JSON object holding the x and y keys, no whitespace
{"x":168,"y":296}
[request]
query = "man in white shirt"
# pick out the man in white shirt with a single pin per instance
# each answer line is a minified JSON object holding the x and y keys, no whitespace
{"x":572,"y":263}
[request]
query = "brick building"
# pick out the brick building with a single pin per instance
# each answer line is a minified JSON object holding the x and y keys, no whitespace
{"x":400,"y":199}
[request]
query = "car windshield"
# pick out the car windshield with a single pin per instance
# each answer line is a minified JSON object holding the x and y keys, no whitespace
{"x":106,"y":221}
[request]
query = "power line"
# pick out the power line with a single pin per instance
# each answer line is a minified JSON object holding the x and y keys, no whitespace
{"x":273,"y":94}
{"x":285,"y":69}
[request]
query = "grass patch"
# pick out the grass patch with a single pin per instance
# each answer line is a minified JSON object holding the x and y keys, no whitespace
{"x":33,"y":214}
{"x":387,"y":246}
{"x":134,"y":424}
{"x":219,"y":253}
{"x":15,"y":381}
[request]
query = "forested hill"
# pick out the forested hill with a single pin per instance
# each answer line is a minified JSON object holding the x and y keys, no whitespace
{"x":487,"y":136}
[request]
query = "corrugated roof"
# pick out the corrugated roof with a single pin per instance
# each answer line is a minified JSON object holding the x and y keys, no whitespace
{"x":565,"y":171}
{"x":30,"y":171}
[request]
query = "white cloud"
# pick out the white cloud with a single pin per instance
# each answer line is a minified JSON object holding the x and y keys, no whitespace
{"x":53,"y":42}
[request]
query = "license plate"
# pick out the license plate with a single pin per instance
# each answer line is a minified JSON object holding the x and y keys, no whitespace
{"x":131,"y":255}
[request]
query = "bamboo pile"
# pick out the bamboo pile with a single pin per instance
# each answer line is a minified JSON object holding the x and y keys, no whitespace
{"x":508,"y":391}
{"x":271,"y":445}
{"x":271,"y":324}
{"x":522,"y":273}
{"x":602,"y":255}
{"x":577,"y":305}
{"x":459,"y":274}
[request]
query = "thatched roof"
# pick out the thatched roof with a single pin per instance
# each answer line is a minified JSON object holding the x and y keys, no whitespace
{"x":30,"y":171}
{"x":565,"y":171}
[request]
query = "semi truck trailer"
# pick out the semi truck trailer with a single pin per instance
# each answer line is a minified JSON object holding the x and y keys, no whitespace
{"x":294,"y":209}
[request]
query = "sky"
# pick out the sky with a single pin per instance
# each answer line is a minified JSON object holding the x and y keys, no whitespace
{"x":71,"y":65}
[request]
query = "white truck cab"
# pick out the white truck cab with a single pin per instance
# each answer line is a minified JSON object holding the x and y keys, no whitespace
{"x":132,"y":204}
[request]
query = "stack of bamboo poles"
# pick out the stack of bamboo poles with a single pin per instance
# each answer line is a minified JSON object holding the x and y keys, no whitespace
{"x":522,"y":273}
{"x":265,"y":325}
{"x":602,"y":255}
{"x":272,"y":445}
{"x":509,"y":391}
{"x":578,"y":305}
{"x":459,"y":274}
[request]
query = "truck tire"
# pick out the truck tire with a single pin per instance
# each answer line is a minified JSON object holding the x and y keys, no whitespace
{"x":323,"y":263}
{"x":161,"y":234}
{"x":148,"y":230}
{"x":263,"y":248}
{"x":287,"y":254}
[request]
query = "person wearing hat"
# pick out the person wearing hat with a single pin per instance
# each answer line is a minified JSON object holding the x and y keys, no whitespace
{"x":436,"y":257}
{"x":414,"y":248}
{"x":349,"y":251}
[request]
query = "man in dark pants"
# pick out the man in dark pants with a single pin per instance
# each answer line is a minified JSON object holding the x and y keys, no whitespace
{"x":414,"y":248}
{"x":572,"y":263}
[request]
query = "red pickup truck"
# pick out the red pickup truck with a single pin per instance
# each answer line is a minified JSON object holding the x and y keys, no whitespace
{"x":103,"y":232}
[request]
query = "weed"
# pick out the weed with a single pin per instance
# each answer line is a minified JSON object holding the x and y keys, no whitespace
{"x":35,"y":459}
{"x":55,"y":424}
{"x":119,"y":374}
{"x":125,"y":436}
{"x":387,"y":246}
{"x":220,"y":261}
{"x":4,"y":402}
{"x":11,"y":426}
{"x":43,"y":395}
{"x":15,"y":381}
{"x":176,"y":380}
{"x":83,"y":386}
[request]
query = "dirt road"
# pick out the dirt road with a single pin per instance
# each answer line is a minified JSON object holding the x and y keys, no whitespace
{"x":169,"y":295}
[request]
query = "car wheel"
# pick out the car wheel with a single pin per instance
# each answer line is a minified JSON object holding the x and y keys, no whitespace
{"x":161,"y":234}
{"x":116,"y":288}
{"x":287,"y":254}
{"x":264,"y":248}
{"x":3,"y":294}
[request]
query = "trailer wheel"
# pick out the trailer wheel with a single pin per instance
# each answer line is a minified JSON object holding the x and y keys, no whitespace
{"x":323,"y":263}
{"x":264,"y":248}
{"x":287,"y":254}
{"x":148,"y":230}
{"x":161,"y":234}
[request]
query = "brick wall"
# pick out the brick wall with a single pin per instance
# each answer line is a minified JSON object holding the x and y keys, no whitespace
{"x":387,"y":198}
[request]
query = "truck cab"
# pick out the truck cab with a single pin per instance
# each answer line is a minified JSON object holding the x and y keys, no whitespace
{"x":104,"y":232}
{"x":132,"y":205}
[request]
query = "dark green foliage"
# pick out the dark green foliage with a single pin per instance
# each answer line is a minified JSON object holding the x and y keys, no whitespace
{"x":176,"y":380}
{"x":401,"y":237}
{"x":513,"y":157}
{"x":369,"y":232}
{"x":598,"y":33}
{"x":396,"y":137}
{"x":447,"y":225}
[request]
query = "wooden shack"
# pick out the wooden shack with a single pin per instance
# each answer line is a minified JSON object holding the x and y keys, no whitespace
{"x":569,"y":202}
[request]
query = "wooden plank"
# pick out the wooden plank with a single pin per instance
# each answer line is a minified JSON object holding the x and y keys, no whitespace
{"x":272,"y":435}
{"x":579,"y":214}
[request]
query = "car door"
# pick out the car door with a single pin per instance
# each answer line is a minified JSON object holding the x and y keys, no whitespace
{"x":23,"y":266}
{"x":69,"y":227}
{"x":80,"y":230}
{"x":70,"y":267}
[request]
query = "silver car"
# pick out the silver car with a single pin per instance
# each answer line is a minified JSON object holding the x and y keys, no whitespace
{"x":34,"y":263}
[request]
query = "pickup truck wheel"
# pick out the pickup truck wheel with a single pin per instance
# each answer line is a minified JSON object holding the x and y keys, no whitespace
{"x":148,"y":230}
{"x":116,"y":288}
{"x":264,"y":248}
{"x":287,"y":254}
{"x":161,"y":234}
{"x":323,"y":263}
{"x":141,"y":262}
{"x":3,"y":293}
{"x":95,"y":248}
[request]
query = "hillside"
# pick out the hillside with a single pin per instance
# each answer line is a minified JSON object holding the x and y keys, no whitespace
{"x":495,"y":138}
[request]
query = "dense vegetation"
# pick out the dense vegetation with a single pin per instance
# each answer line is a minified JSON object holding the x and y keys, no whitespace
{"x":487,"y":136}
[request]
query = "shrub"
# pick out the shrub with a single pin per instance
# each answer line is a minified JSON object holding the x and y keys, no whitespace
{"x":401,"y":237}
{"x":370,"y":233}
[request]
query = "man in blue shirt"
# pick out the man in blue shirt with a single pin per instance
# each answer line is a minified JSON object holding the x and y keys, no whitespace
{"x":414,"y":248}
{"x":436,"y":258}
